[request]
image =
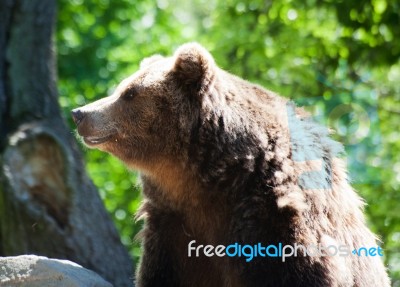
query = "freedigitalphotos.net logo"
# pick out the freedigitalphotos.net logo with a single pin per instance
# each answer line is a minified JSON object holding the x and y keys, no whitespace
{"x":249,"y":252}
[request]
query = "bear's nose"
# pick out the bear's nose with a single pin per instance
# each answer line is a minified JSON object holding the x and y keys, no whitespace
{"x":77,"y":116}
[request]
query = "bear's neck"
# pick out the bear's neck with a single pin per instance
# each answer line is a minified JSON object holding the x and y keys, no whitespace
{"x":172,"y":181}
{"x":175,"y":188}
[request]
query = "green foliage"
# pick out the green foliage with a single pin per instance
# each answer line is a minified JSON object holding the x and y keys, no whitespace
{"x":340,"y":58}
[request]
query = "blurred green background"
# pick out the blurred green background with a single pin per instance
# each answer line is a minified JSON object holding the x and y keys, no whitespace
{"x":340,"y":59}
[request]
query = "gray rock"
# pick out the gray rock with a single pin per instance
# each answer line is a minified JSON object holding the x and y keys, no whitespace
{"x":38,"y":271}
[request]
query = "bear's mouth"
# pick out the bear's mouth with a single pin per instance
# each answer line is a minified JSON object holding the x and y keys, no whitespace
{"x":96,"y":140}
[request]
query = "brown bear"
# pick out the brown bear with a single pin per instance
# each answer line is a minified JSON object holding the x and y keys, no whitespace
{"x":240,"y":187}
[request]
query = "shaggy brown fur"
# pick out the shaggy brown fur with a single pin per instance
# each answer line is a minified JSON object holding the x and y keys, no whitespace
{"x":224,"y":161}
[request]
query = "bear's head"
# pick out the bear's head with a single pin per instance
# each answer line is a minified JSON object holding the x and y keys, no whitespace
{"x":150,"y":116}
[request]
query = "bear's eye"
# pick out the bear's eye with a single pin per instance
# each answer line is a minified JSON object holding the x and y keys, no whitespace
{"x":129,"y":94}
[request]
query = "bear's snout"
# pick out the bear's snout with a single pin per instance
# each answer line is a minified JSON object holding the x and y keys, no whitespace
{"x":92,"y":126}
{"x":77,"y":116}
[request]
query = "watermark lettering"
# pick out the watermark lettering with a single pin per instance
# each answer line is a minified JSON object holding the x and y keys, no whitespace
{"x":249,"y":252}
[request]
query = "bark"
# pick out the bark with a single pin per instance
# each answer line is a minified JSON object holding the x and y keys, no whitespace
{"x":48,"y":205}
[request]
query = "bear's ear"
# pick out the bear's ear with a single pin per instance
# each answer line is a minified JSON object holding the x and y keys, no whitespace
{"x":194,"y":67}
{"x":150,"y":60}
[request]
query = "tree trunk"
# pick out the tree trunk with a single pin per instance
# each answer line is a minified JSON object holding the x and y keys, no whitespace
{"x":48,"y":206}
